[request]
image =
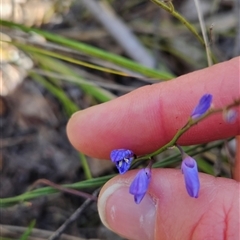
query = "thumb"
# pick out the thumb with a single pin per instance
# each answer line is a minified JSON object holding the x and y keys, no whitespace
{"x":167,"y":212}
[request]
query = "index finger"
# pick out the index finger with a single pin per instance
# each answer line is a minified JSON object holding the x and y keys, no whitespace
{"x":149,"y":117}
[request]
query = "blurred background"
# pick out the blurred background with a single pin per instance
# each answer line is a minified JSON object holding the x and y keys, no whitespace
{"x":58,"y":57}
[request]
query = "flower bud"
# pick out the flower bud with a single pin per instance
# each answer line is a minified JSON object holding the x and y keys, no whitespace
{"x":202,"y":107}
{"x":139,"y":185}
{"x":190,"y":171}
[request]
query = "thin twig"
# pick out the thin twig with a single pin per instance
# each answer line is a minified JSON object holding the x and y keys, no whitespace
{"x":203,"y":29}
{"x":63,"y":189}
{"x":73,"y":217}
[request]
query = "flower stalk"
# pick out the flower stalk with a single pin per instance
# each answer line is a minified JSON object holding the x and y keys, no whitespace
{"x":191,"y":122}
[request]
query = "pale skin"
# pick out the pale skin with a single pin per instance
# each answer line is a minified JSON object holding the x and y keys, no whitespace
{"x":145,"y":120}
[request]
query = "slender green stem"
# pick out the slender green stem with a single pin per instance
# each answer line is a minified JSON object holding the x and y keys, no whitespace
{"x":44,"y":191}
{"x":29,"y":48}
{"x":180,"y":149}
{"x":93,"y":51}
{"x":28,"y":231}
{"x":191,"y":122}
{"x":85,"y":166}
{"x":165,"y":147}
{"x":169,"y":8}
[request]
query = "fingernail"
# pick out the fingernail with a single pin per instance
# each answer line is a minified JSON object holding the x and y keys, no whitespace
{"x":121,"y":214}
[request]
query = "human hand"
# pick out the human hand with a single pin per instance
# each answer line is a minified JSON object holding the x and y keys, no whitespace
{"x":146,"y":119}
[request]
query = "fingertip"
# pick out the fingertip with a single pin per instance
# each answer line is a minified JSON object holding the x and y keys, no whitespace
{"x":72,"y":129}
{"x":84,"y":137}
{"x":116,"y":124}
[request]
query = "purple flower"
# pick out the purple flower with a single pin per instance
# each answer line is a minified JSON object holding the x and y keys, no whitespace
{"x":202,"y":107}
{"x":139,"y":185}
{"x":122,"y":158}
{"x":190,"y":171}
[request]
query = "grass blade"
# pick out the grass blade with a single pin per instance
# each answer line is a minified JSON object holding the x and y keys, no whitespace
{"x":95,"y":52}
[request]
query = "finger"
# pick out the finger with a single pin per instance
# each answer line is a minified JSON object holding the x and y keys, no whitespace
{"x":149,"y":117}
{"x":167,"y":212}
